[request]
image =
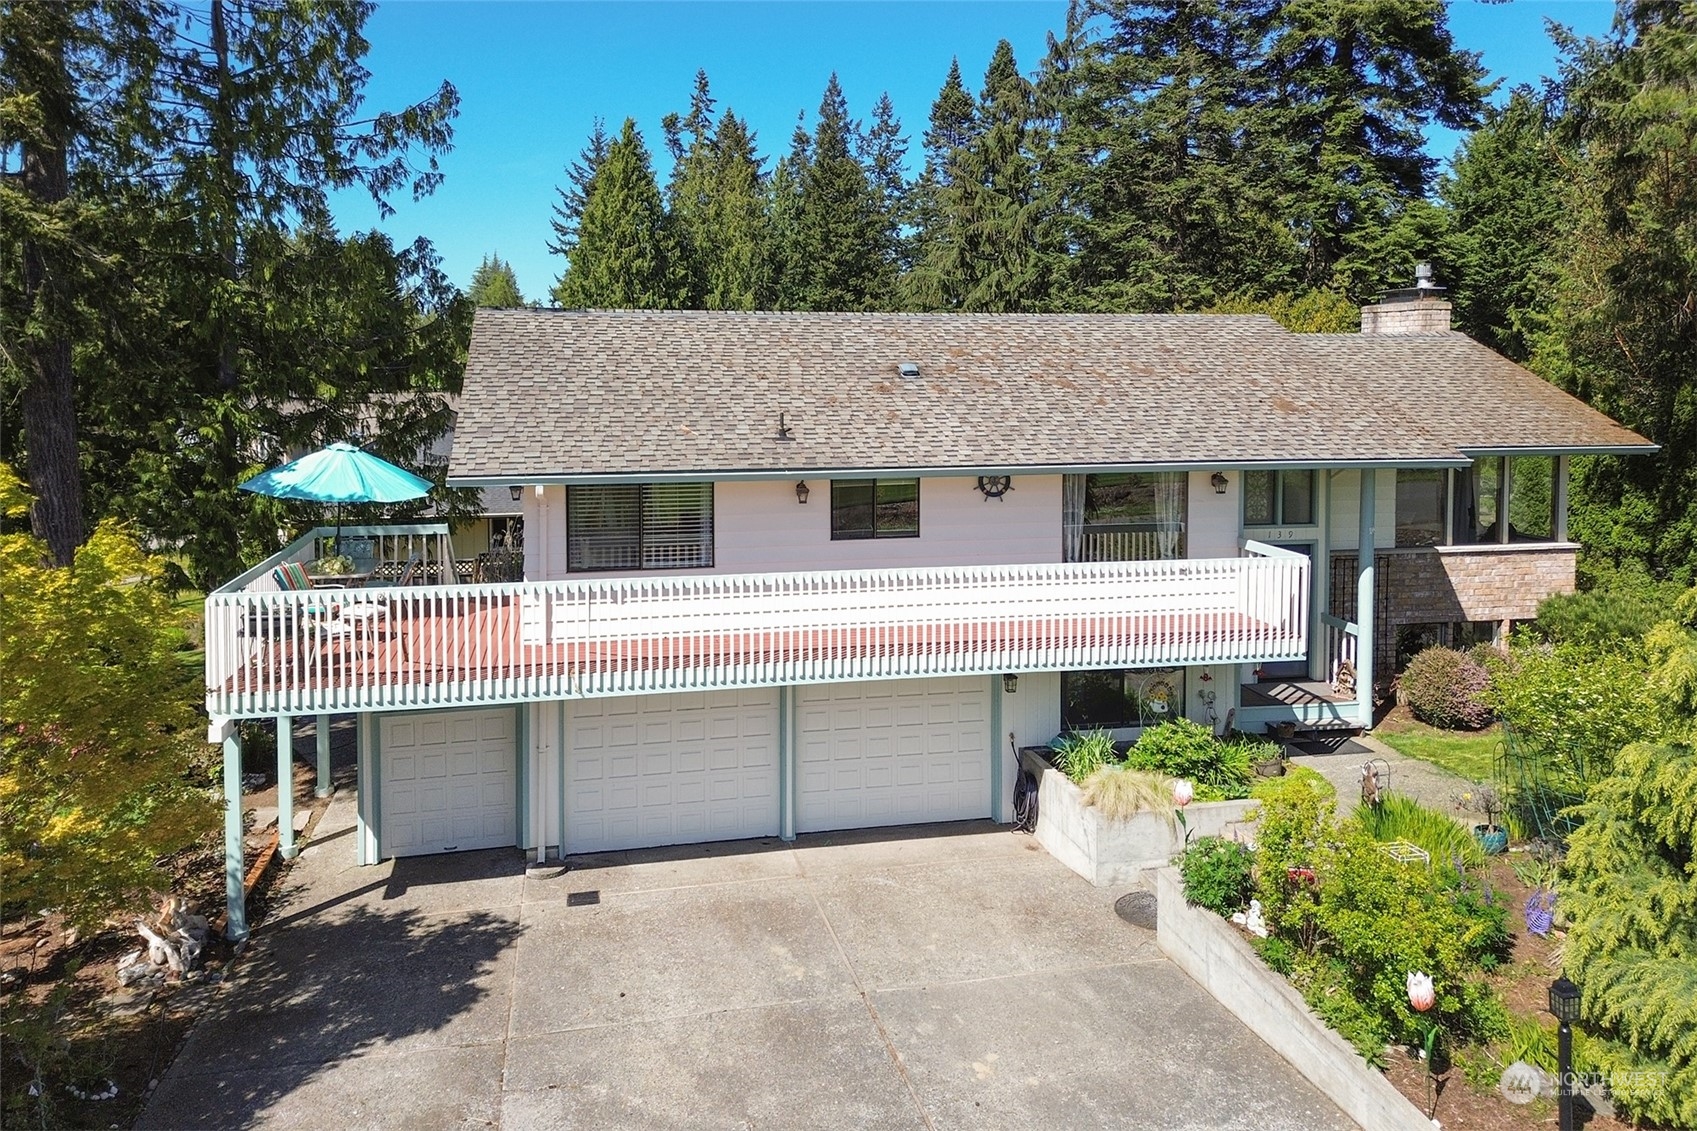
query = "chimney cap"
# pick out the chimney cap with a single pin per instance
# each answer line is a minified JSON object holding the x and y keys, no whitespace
{"x":1425,"y":287}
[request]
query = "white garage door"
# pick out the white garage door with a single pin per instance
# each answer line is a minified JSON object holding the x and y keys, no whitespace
{"x":893,"y":753}
{"x":648,"y":770}
{"x":448,"y":781}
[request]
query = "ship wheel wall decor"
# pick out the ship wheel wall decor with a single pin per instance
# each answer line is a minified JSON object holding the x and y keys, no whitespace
{"x":995,"y":486}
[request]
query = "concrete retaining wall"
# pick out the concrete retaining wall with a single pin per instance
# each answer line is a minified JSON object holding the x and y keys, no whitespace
{"x":1109,"y":852}
{"x":1218,"y":957}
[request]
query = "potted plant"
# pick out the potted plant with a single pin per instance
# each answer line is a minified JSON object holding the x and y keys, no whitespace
{"x":1484,"y":799}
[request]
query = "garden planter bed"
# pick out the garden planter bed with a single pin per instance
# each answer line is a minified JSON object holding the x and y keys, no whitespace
{"x":1108,"y":852}
{"x":1221,"y":960}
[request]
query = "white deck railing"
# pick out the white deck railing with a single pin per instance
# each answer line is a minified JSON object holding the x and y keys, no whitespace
{"x":374,"y":648}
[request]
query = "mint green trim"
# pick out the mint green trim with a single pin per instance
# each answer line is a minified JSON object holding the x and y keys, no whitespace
{"x":321,"y":730}
{"x":522,"y":718}
{"x":786,"y":766}
{"x":1366,"y":551}
{"x":286,"y":788}
{"x":561,"y":748}
{"x":235,"y":871}
{"x":374,"y":726}
{"x":998,"y":766}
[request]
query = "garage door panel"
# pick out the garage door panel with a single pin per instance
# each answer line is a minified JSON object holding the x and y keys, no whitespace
{"x":675,"y":769}
{"x":449,"y":781}
{"x":893,"y":753}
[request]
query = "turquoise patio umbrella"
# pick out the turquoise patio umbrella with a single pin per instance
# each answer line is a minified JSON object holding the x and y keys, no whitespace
{"x":339,"y":474}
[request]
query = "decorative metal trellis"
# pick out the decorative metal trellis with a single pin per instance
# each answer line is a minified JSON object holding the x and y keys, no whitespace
{"x":1536,"y":792}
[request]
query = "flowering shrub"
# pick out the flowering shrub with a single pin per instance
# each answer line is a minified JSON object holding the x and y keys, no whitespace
{"x":1446,"y":688}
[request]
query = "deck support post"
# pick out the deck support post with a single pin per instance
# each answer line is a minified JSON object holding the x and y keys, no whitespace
{"x":786,"y":764}
{"x":322,"y":731}
{"x":1364,"y":643}
{"x":235,"y":870}
{"x":286,"y":788}
{"x":1320,"y":581}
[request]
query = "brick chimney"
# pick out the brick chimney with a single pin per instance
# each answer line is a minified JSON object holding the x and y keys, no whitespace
{"x":1420,"y":309}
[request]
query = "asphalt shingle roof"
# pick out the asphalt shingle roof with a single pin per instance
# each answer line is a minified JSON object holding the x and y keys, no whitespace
{"x":571,"y":393}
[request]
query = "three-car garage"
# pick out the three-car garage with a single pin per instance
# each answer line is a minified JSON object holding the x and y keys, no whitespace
{"x":643,"y":771}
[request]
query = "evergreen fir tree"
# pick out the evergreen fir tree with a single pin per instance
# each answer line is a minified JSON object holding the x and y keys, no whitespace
{"x":786,"y":277}
{"x":734,"y":278}
{"x":625,"y":256}
{"x":1163,"y":158}
{"x":1504,"y":193}
{"x":690,"y":192}
{"x":1352,"y":84}
{"x":988,"y":257}
{"x":952,"y":124}
{"x":494,"y":284}
{"x":840,"y":244}
{"x":883,"y":151}
{"x":574,"y":195}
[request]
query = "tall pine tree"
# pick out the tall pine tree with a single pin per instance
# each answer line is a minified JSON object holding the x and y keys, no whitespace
{"x":574,"y":194}
{"x":1352,"y":85}
{"x":625,"y":255}
{"x":952,"y":125}
{"x":988,"y":256}
{"x":840,"y":242}
{"x":494,"y":284}
{"x":1163,"y":158}
{"x":1504,"y":194}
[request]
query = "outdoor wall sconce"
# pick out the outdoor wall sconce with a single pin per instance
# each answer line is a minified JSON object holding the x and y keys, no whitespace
{"x":801,"y":492}
{"x":515,"y":491}
{"x":1010,"y":683}
{"x":1219,"y":482}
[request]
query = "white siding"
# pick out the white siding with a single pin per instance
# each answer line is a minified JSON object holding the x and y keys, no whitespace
{"x":1211,"y":527}
{"x":760,"y":528}
{"x":1346,"y":500}
{"x":1033,"y":712}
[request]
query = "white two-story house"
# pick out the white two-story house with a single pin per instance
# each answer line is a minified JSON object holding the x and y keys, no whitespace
{"x":788,"y":573}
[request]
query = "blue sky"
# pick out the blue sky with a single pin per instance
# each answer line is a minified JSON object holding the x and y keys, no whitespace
{"x":533,"y":76}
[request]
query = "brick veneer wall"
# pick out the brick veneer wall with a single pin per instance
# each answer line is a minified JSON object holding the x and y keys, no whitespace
{"x":1454,"y":584}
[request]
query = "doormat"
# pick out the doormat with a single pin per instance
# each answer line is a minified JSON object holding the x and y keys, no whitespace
{"x":1326,"y":744}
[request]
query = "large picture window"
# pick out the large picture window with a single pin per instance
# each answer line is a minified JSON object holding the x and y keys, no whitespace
{"x":647,"y":526}
{"x":1135,"y":516}
{"x":1278,"y":498}
{"x":1119,"y":699}
{"x":874,"y":508}
{"x":1420,"y":496}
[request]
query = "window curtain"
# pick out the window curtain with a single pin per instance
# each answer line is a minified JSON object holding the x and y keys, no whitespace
{"x":1072,"y":517}
{"x":1170,"y":490}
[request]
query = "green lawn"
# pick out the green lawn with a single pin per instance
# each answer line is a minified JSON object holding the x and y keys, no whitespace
{"x":1470,"y":753}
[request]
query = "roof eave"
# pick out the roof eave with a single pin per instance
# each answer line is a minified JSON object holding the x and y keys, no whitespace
{"x":755,"y":474}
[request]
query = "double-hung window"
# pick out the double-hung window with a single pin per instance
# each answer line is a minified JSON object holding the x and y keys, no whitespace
{"x":1278,"y":498}
{"x":874,"y":508}
{"x":641,"y":526}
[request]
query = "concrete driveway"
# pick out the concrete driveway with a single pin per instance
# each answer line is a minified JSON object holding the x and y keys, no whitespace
{"x":951,"y":977}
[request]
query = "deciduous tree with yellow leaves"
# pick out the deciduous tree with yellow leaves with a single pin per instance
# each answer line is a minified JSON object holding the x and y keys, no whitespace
{"x":103,"y":765}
